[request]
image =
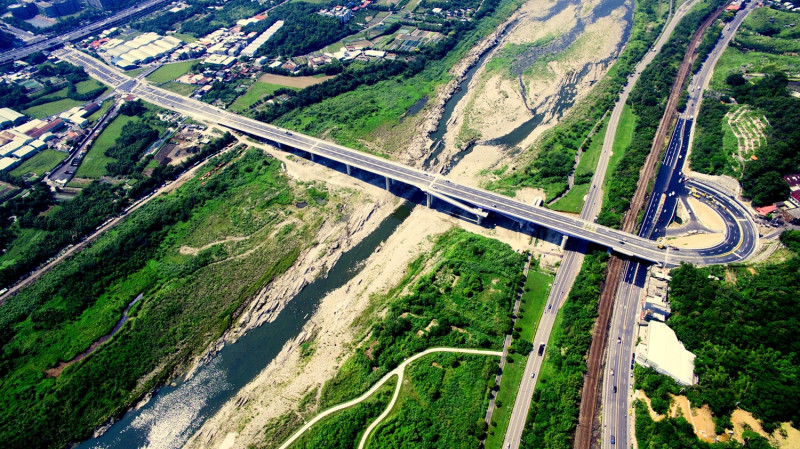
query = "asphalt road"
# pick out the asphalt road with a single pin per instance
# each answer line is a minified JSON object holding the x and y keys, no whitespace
{"x":78,"y":33}
{"x":437,"y":185}
{"x":740,"y":232}
{"x":573,"y":257}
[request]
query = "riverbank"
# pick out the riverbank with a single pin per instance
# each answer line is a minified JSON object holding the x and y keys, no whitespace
{"x":282,"y":386}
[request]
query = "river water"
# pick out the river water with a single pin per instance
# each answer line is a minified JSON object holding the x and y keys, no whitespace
{"x":175,"y":412}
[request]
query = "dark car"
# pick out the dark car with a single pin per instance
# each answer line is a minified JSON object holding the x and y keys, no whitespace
{"x":541,"y":349}
{"x":612,"y":439}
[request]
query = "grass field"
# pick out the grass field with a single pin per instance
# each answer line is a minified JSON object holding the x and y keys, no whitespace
{"x":180,"y":88}
{"x":573,"y":200}
{"x":733,"y":59}
{"x":52,"y":108}
{"x":623,"y":138}
{"x":348,"y":424}
{"x":94,"y":163}
{"x":588,"y":162}
{"x":537,"y":288}
{"x":40,"y":163}
{"x":134,"y":72}
{"x":188,"y":38}
{"x":170,"y":72}
{"x":99,"y":113}
{"x":442,"y":400}
{"x":257,"y":91}
{"x":88,"y":85}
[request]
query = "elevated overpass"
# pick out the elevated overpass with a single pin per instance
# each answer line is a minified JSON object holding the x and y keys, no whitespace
{"x":474,"y":200}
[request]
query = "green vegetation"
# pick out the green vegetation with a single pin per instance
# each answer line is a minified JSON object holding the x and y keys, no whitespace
{"x":255,"y":93}
{"x":553,"y":415}
{"x":117,"y":150}
{"x":534,"y":297}
{"x":367,"y":104}
{"x":708,"y":156}
{"x":189,"y":298}
{"x":764,"y":46}
{"x":72,"y":89}
{"x":100,"y":112}
{"x":648,"y":100}
{"x":745,"y":354}
{"x":460,"y":294}
{"x":573,"y":200}
{"x":170,"y":72}
{"x":769,"y":30}
{"x":343,"y":430}
{"x":95,"y":162}
{"x":52,"y":107}
{"x":555,"y":151}
{"x":678,"y":433}
{"x":40,"y":163}
{"x":442,"y":404}
{"x":761,"y":179}
{"x":657,"y":387}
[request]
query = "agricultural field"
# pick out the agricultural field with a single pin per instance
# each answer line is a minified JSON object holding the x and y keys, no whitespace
{"x":40,"y":163}
{"x":256,"y":92}
{"x":59,"y":102}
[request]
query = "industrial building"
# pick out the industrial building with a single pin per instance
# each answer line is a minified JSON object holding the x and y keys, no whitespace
{"x":10,"y":117}
{"x":141,"y":49}
{"x":661,"y":350}
{"x":251,"y":49}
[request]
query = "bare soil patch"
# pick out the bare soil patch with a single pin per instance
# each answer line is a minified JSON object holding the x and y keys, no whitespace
{"x":293,"y":81}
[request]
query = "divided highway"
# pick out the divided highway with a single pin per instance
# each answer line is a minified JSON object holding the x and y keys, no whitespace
{"x":619,"y":241}
{"x":78,"y":33}
{"x":740,"y":232}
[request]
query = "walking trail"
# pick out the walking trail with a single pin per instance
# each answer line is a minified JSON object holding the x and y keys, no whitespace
{"x":399,"y":372}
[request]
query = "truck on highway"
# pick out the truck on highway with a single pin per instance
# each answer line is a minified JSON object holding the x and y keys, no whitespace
{"x":541,"y":348}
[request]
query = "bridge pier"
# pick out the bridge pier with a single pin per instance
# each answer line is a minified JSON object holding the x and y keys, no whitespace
{"x":312,"y":156}
{"x":348,"y":169}
{"x":388,"y":182}
{"x":563,"y":242}
{"x":429,"y":199}
{"x":480,"y":219}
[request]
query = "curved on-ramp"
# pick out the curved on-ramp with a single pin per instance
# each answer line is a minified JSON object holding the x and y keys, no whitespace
{"x":399,"y":372}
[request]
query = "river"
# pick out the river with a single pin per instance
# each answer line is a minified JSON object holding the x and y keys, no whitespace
{"x":561,"y":101}
{"x":176,"y":411}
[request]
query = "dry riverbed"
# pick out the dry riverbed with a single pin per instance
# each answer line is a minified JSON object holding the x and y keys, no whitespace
{"x":497,"y":103}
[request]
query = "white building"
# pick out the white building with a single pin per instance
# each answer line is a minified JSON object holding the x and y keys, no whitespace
{"x":662,"y":351}
{"x":251,"y":49}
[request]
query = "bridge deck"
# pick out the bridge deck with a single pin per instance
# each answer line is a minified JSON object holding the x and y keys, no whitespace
{"x":437,"y":185}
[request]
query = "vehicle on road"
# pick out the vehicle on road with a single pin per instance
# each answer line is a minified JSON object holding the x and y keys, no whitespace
{"x":613,"y":440}
{"x":615,"y":388}
{"x":541,"y":348}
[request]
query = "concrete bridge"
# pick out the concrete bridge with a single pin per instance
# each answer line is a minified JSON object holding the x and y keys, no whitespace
{"x":474,"y":200}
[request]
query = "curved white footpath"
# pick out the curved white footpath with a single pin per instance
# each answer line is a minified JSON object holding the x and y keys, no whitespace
{"x":399,"y":372}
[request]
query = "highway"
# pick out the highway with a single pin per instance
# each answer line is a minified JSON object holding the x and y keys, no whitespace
{"x":436,"y":185}
{"x":79,"y":33}
{"x":573,"y":257}
{"x":740,"y":231}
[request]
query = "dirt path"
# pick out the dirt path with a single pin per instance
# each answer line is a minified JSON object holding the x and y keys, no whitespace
{"x":399,"y":372}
